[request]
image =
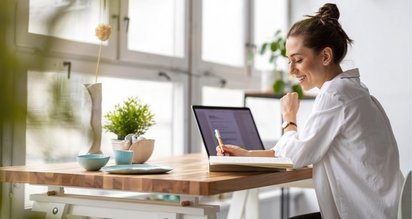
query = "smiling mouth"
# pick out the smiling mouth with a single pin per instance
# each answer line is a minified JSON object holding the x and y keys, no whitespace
{"x":301,"y":78}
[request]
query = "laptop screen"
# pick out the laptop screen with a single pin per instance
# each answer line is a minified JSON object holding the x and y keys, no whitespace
{"x":235,"y":124}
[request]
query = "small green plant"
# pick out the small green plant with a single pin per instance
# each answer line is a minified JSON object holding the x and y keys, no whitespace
{"x":132,"y":117}
{"x":276,"y":48}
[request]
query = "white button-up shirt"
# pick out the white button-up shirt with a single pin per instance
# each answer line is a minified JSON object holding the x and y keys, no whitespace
{"x":350,"y":142}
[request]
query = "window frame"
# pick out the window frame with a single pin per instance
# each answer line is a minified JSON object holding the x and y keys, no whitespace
{"x":35,"y":42}
{"x":216,"y":68}
{"x":155,"y":60}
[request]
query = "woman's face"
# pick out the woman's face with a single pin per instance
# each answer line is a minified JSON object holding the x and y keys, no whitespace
{"x":304,"y":64}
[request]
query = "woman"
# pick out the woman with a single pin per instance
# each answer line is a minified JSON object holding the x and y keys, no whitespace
{"x":347,"y":138}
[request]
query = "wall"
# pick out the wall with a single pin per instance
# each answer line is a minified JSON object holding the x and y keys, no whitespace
{"x":381,"y":30}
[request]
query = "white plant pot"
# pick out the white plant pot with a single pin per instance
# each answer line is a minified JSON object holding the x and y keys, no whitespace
{"x":120,"y":144}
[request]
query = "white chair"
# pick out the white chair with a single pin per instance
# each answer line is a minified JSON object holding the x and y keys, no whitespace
{"x":405,"y":203}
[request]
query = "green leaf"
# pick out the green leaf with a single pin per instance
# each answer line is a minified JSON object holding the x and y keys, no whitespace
{"x":283,"y":52}
{"x":274,"y":46}
{"x":279,"y":87}
{"x":263,"y":48}
{"x":298,"y":89}
{"x":130,"y":117}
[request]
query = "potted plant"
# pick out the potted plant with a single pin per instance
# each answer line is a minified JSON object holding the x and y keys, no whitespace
{"x":276,"y":47}
{"x":130,"y":121}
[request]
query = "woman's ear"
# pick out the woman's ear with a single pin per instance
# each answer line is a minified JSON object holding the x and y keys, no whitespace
{"x":327,"y":56}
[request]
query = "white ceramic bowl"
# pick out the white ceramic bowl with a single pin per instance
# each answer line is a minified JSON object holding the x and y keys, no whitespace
{"x":93,"y":162}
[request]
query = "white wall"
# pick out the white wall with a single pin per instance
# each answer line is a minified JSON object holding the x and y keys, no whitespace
{"x":381,"y":30}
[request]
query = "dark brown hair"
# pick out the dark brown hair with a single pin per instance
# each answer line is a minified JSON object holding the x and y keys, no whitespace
{"x":323,"y":30}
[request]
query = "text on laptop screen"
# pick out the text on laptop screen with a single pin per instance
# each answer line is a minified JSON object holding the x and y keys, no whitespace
{"x":235,"y":124}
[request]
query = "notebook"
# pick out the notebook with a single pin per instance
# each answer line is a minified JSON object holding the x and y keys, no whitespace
{"x":237,"y":127}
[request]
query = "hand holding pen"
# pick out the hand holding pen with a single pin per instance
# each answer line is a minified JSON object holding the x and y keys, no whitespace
{"x":229,"y":150}
{"x":219,"y":140}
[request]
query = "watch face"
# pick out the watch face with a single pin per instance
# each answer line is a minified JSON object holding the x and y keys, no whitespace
{"x":285,"y":124}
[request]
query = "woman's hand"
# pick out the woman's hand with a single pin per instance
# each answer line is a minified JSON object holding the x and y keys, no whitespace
{"x":231,"y":150}
{"x":289,"y":105}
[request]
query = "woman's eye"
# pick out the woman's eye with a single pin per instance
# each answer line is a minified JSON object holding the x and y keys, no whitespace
{"x":295,"y":61}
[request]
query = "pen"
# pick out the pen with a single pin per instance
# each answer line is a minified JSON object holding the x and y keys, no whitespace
{"x":219,"y":140}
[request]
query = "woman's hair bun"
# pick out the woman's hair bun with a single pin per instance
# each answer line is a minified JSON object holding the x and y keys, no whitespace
{"x":328,"y":11}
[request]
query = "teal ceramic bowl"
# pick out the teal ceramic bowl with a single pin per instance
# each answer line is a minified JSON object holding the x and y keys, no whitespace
{"x":93,"y":162}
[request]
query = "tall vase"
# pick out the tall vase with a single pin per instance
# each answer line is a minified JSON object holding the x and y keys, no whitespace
{"x":95,"y":92}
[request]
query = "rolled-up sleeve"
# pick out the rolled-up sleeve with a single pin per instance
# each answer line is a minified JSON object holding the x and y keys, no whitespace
{"x":310,"y":144}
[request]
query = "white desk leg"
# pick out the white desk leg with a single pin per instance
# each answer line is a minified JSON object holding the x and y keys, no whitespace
{"x":238,"y":204}
{"x":244,"y":203}
{"x":252,"y":204}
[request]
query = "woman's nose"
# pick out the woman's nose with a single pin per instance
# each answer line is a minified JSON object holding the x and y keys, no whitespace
{"x":292,"y":69}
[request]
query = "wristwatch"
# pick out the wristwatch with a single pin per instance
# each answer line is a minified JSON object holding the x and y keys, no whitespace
{"x":285,"y":124}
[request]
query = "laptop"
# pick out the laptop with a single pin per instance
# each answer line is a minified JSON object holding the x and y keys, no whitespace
{"x":235,"y":124}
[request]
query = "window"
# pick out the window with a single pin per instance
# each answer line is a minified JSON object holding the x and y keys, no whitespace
{"x":57,"y":128}
{"x":224,"y":32}
{"x":270,"y":16}
{"x":155,"y":33}
{"x":157,"y":27}
{"x":149,"y":36}
{"x":76,"y":20}
{"x":64,"y":27}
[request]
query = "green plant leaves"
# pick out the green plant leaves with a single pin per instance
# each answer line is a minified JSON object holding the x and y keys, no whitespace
{"x":130,"y":117}
{"x":279,"y":87}
{"x":275,"y":46}
{"x":298,"y":89}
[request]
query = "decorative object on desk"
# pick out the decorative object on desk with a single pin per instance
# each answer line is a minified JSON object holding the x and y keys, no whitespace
{"x":132,"y":116}
{"x":93,"y":162}
{"x":136,"y":169}
{"x":142,"y":149}
{"x":95,"y":94}
{"x":120,"y":144}
{"x":129,"y":122}
{"x":123,"y":156}
{"x":103,"y":32}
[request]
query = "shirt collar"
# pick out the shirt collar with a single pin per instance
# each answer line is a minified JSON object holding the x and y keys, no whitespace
{"x":352,"y":73}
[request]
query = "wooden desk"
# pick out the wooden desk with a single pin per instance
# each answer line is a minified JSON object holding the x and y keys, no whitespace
{"x":190,"y":177}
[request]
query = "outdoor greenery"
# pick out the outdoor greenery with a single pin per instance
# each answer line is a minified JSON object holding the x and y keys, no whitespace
{"x":131,"y":117}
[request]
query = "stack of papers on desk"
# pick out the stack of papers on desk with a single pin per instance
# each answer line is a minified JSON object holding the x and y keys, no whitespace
{"x":238,"y":164}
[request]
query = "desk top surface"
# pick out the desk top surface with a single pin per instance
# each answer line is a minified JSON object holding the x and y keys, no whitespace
{"x":190,"y":176}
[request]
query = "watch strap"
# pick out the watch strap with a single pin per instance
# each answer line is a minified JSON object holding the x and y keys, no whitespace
{"x":287,"y":124}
